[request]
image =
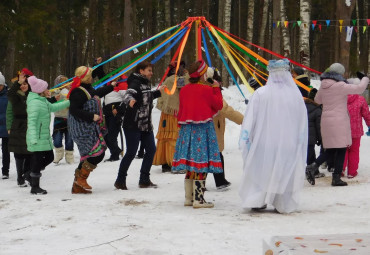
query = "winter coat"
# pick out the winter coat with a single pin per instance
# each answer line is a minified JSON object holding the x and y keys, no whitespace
{"x":3,"y":106}
{"x":16,"y":119}
{"x":358,"y":109}
{"x":39,"y":112}
{"x":335,"y":123}
{"x":199,"y":103}
{"x":220,"y":122}
{"x":314,"y":112}
{"x":140,"y":116}
{"x":78,"y":98}
{"x":303,"y":79}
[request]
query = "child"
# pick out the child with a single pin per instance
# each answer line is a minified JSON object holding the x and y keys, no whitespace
{"x":38,"y":132}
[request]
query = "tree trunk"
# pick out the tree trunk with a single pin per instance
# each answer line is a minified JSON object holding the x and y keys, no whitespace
{"x":276,"y":38}
{"x":250,"y":21}
{"x":344,"y":12}
{"x":167,"y":17}
{"x":261,"y":40}
{"x":127,"y":28}
{"x":304,"y":32}
{"x":226,"y":22}
{"x":10,"y":53}
{"x":285,"y":30}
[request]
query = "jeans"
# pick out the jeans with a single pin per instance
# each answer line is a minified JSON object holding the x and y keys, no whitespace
{"x":40,"y":160}
{"x":133,"y":138}
{"x":6,"y":155}
{"x":58,"y":139}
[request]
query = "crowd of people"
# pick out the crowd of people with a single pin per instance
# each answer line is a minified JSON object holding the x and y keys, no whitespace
{"x":277,"y":138}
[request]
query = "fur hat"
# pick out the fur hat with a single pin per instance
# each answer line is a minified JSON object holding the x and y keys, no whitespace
{"x":355,"y":81}
{"x":37,"y":85}
{"x":2,"y":79}
{"x":336,"y":68}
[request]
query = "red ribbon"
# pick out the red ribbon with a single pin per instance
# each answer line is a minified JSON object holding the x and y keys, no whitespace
{"x":77,"y":82}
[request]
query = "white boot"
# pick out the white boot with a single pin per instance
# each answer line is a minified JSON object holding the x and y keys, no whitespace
{"x":198,"y":195}
{"x":188,"y":185}
{"x":59,"y":154}
{"x":69,"y":157}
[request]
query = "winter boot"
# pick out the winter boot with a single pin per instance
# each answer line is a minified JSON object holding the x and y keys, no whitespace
{"x":79,"y":190}
{"x":59,"y":154}
{"x":336,"y":181}
{"x":119,"y":185}
{"x":198,"y":195}
{"x":19,"y":164}
{"x":69,"y":157}
{"x":35,"y":184}
{"x":83,"y":173}
{"x":188,"y":185}
{"x":310,"y":172}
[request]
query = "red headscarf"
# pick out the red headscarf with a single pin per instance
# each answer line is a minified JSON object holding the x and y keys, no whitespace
{"x":77,"y":81}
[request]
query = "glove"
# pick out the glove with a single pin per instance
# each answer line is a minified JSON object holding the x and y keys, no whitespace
{"x":368,"y":132}
{"x":360,"y":75}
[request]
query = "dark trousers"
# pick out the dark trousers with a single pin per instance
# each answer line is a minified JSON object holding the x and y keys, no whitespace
{"x":311,"y":155}
{"x":336,"y":158}
{"x":23,"y":163}
{"x":140,"y":153}
{"x":93,"y":160}
{"x":133,"y":138}
{"x":220,"y":177}
{"x":6,"y":155}
{"x":40,"y":160}
{"x":114,"y":127}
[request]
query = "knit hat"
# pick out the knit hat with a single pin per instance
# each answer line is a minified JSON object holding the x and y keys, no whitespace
{"x":37,"y":85}
{"x":298,"y":70}
{"x":2,"y":79}
{"x":201,"y":69}
{"x":336,"y":68}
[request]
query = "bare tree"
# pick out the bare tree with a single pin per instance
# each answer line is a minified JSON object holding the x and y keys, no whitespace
{"x":285,"y":31}
{"x":226,"y":23}
{"x":276,"y":38}
{"x":304,"y":32}
{"x":250,"y":20}
{"x":264,"y":22}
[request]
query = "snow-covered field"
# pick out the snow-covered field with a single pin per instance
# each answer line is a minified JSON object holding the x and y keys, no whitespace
{"x":154,"y":221}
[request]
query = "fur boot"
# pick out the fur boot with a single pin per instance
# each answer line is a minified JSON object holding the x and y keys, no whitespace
{"x":198,"y":195}
{"x":188,"y":185}
{"x":59,"y":154}
{"x":69,"y":157}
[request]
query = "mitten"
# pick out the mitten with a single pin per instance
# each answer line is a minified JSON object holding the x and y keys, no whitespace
{"x":360,"y":75}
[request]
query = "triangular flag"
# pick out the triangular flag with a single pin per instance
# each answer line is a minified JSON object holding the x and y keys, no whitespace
{"x":356,"y":30}
{"x":340,"y":28}
{"x":364,"y":29}
{"x":299,"y":22}
{"x":354,"y":22}
{"x":327,"y":22}
{"x":278,"y":24}
{"x":294,"y":23}
{"x":368,"y":22}
{"x":314,"y":22}
{"x":341,"y":22}
{"x":273,"y":24}
{"x":313,"y":27}
{"x":286,"y":23}
{"x":320,"y":27}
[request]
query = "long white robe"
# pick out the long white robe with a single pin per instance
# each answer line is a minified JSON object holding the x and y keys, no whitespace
{"x":273,"y":141}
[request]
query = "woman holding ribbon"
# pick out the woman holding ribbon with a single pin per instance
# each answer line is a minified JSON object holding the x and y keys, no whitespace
{"x":86,"y":125}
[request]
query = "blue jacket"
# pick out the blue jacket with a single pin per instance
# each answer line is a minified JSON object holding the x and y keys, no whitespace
{"x":3,"y":105}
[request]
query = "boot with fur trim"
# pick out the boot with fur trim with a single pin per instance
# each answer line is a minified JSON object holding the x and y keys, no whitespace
{"x":188,"y":185}
{"x":83,"y":173}
{"x":198,"y":195}
{"x":59,"y":154}
{"x":69,"y":157}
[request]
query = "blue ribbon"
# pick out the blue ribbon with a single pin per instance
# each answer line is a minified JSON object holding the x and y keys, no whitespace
{"x":206,"y":48}
{"x":178,"y":37}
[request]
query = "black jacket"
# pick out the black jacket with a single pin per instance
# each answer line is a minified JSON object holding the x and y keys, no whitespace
{"x":303,"y":79}
{"x":314,"y":111}
{"x":140,"y":116}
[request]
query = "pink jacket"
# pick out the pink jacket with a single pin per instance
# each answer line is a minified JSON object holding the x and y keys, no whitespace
{"x":335,"y":122}
{"x":358,"y":109}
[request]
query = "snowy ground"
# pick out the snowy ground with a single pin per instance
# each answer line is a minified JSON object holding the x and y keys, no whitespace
{"x":154,"y":221}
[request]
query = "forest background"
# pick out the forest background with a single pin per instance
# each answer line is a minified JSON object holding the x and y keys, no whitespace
{"x":54,"y":37}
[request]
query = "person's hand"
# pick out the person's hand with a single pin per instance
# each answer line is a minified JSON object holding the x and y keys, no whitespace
{"x":162,"y":87}
{"x":368,"y":132}
{"x":9,"y":132}
{"x":113,"y":83}
{"x":99,"y":60}
{"x":215,"y":83}
{"x":96,"y":117}
{"x":57,"y":97}
{"x":360,"y":75}
{"x":132,"y":102}
{"x":21,"y":79}
{"x":114,"y":111}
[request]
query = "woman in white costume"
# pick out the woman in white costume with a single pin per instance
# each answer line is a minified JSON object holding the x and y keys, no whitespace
{"x":273,"y":141}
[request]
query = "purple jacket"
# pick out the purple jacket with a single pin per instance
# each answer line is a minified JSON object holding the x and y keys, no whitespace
{"x":335,"y":122}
